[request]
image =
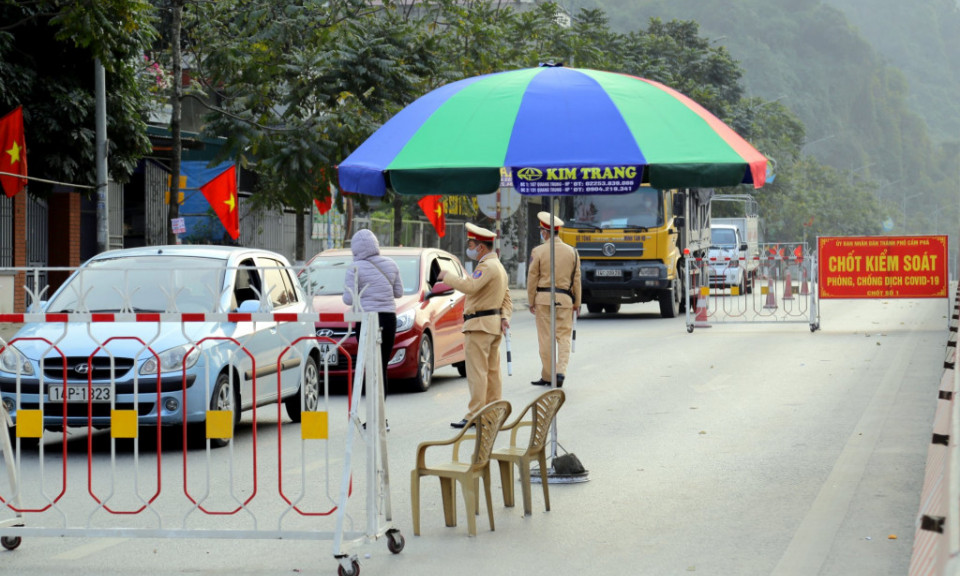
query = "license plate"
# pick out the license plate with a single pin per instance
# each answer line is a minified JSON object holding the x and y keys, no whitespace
{"x":328,"y":353}
{"x":79,"y":393}
{"x":610,"y":273}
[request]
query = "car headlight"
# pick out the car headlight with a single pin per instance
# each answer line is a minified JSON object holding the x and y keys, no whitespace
{"x":172,"y":360}
{"x":405,"y":320}
{"x":12,"y":360}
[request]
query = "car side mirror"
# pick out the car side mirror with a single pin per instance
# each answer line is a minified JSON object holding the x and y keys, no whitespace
{"x":743,"y":247}
{"x":249,"y":307}
{"x":440,"y":289}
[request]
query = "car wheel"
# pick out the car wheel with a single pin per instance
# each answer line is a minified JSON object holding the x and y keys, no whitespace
{"x":594,"y":308}
{"x":424,"y":365}
{"x":611,"y":308}
{"x":310,"y":386}
{"x":461,"y":368}
{"x":225,"y":397}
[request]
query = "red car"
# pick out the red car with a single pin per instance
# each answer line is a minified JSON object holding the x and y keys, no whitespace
{"x":429,"y":326}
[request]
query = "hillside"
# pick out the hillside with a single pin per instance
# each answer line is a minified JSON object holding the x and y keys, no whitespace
{"x":886,"y":116}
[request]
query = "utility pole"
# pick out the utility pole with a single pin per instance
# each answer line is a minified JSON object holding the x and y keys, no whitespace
{"x":173,"y":206}
{"x":103,"y":197}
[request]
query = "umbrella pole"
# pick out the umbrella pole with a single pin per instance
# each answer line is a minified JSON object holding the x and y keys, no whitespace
{"x":554,"y":477}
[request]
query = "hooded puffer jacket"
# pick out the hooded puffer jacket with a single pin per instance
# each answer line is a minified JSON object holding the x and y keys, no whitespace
{"x":378,"y":278}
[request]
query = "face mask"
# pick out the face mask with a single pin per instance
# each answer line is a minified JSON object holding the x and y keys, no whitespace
{"x":544,"y":236}
{"x":472,"y":253}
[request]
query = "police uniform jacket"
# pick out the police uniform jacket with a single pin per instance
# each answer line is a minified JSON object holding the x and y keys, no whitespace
{"x":567,"y":275}
{"x":486,"y":289}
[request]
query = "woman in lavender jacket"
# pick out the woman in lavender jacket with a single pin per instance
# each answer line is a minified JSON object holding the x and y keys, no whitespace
{"x":377,"y":279}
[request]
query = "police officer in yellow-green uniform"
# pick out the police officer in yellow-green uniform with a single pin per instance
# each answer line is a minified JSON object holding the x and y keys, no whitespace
{"x":567,"y":292}
{"x":486,"y":317}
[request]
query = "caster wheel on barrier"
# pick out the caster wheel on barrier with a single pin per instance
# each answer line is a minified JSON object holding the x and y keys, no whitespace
{"x":690,"y":329}
{"x":395,"y":541}
{"x":13,"y":542}
{"x":354,"y":569}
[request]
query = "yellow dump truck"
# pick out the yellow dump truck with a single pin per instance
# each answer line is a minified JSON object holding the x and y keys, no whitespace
{"x":632,"y":247}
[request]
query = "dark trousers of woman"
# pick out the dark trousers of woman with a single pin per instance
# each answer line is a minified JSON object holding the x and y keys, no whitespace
{"x":388,"y":334}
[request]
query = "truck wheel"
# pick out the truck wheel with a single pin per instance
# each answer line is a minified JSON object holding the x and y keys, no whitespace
{"x":670,"y":301}
{"x":743,"y":283}
{"x":594,"y":308}
{"x":611,"y":308}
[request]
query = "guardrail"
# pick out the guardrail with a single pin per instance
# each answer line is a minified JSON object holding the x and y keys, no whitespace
{"x":936,"y":542}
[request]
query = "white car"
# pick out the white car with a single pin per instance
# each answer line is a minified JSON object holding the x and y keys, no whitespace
{"x":166,"y":371}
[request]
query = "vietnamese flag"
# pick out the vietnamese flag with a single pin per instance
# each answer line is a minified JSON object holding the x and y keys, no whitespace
{"x":433,"y":207}
{"x":324,"y":206}
{"x":13,"y":153}
{"x":221,"y":193}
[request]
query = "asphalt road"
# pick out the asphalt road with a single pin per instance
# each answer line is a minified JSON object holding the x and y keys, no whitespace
{"x":735,"y":450}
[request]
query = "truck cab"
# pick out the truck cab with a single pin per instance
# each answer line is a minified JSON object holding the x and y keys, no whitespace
{"x":632,"y":246}
{"x":734,"y":256}
{"x":727,"y":267}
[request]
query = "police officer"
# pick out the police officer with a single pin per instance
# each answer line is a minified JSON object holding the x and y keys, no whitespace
{"x":567,"y":290}
{"x":486,"y":316}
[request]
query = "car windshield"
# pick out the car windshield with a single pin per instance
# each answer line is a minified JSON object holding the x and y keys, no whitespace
{"x":640,"y":209}
{"x":723,"y":237}
{"x":143,"y":284}
{"x":325,"y":275}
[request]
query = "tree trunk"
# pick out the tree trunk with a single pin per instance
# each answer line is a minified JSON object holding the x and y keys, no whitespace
{"x":348,"y":220}
{"x":300,"y":232}
{"x":175,"y":104}
{"x":397,"y":219}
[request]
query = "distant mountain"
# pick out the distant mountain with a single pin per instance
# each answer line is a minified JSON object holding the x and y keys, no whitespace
{"x":860,"y":109}
{"x":922,"y":39}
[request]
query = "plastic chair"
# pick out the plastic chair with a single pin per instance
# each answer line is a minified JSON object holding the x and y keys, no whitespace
{"x":542,"y":412}
{"x":487,"y":423}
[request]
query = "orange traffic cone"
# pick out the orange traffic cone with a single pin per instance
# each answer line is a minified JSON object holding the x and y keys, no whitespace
{"x":804,"y":286}
{"x":700,"y":321}
{"x":788,"y":286}
{"x":771,"y":300}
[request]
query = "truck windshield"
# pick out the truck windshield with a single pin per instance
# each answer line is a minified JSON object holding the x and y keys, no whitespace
{"x":723,"y":237}
{"x":640,"y":209}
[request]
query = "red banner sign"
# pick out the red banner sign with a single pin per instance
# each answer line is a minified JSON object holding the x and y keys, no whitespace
{"x":883,"y":267}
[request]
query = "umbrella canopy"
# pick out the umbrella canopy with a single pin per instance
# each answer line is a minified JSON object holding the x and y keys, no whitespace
{"x":560,"y":130}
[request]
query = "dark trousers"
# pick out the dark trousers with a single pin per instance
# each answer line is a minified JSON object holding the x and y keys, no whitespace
{"x":388,"y":334}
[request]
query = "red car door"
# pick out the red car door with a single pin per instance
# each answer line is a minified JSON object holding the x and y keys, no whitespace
{"x":448,"y":317}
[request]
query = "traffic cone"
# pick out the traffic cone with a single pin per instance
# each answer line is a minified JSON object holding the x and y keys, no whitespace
{"x":771,"y":300}
{"x":804,"y":286}
{"x":788,"y":286}
{"x":700,"y":321}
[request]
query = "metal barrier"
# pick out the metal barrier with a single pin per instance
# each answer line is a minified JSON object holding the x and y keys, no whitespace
{"x":936,"y":543}
{"x":132,"y":483}
{"x":782,"y":289}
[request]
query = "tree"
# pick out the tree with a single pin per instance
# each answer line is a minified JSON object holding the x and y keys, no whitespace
{"x":295,"y":88}
{"x":47,"y":53}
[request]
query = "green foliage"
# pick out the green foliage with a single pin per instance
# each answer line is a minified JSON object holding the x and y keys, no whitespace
{"x":47,"y":52}
{"x":865,"y":118}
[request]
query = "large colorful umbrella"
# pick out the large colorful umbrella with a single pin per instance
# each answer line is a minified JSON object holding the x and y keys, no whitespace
{"x":560,"y":130}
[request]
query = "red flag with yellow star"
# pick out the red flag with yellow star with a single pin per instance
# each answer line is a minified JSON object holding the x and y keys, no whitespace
{"x":221,"y":193}
{"x":433,"y":207}
{"x":13,"y":153}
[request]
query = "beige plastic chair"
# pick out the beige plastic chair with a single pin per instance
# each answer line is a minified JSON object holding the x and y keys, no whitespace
{"x":487,"y":425}
{"x":542,"y":412}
